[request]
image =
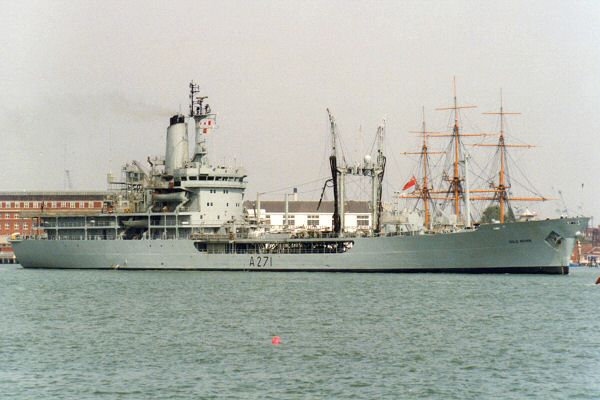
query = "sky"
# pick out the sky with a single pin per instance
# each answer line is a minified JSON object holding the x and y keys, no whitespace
{"x":87,"y":86}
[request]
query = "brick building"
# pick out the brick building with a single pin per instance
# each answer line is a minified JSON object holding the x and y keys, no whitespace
{"x":14,"y":204}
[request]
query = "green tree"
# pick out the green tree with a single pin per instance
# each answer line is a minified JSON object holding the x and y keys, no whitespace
{"x":493,"y":213}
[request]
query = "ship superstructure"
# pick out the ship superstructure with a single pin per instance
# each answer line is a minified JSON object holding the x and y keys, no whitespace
{"x":182,"y":212}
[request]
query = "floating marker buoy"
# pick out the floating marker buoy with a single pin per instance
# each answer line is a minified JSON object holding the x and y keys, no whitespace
{"x":277,"y":340}
{"x":598,"y":281}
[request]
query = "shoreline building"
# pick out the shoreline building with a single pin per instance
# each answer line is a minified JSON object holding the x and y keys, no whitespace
{"x":304,"y":214}
{"x":587,"y":251}
{"x":14,"y":203}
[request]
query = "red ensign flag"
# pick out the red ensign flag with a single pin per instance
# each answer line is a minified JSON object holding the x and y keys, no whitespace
{"x":409,"y":184}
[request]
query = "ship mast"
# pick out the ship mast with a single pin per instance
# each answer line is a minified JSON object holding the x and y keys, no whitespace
{"x":425,"y":188}
{"x":424,"y":191}
{"x":204,"y":121}
{"x":501,"y":190}
{"x":455,"y":183}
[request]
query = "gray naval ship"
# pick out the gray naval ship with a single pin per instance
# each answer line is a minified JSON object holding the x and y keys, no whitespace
{"x":184,"y":213}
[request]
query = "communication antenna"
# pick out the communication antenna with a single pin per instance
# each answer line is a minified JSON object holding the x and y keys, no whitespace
{"x":68,"y":184}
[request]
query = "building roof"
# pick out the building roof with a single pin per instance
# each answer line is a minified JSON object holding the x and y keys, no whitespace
{"x":27,"y":195}
{"x":278,"y":206}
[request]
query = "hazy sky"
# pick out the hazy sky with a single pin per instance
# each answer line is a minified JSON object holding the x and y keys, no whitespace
{"x":89,"y":85}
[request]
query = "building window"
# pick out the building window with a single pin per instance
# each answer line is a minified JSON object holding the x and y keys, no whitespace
{"x":362,"y":220}
{"x":7,"y":215}
{"x":16,"y":226}
{"x":72,"y":205}
{"x":53,"y":204}
{"x":25,"y":225}
{"x":91,"y":204}
{"x":312,"y":220}
{"x":291,"y":219}
{"x":26,"y":204}
{"x":7,"y":226}
{"x":81,"y":204}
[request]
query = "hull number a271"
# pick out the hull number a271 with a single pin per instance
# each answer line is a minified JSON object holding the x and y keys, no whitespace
{"x":261,"y":261}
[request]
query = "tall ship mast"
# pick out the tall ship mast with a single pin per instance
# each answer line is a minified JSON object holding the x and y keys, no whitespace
{"x":423,"y":192}
{"x":182,"y":212}
{"x":500,"y":192}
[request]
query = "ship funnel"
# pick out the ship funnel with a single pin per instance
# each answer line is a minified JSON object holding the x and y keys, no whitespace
{"x":177,"y":153}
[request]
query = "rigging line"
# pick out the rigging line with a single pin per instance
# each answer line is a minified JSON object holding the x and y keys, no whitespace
{"x":326,"y":146}
{"x":533,"y":189}
{"x":470,"y":123}
{"x":396,"y":164}
{"x":508,"y":135}
{"x":294,"y":186}
{"x":341,"y":144}
{"x":373,"y":144}
{"x":488,"y":169}
{"x":311,"y":191}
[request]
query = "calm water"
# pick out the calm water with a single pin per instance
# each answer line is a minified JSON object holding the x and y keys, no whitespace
{"x":195,"y":335}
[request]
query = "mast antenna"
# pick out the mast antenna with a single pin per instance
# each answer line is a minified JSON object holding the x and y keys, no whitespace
{"x":455,"y":182}
{"x":204,"y":121}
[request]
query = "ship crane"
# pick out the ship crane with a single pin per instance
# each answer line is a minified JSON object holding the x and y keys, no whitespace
{"x":374,"y":169}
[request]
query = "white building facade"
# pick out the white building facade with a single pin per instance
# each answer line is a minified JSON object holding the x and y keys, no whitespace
{"x":305,"y":215}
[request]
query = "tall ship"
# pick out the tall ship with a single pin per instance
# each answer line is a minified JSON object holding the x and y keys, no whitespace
{"x":181,"y":212}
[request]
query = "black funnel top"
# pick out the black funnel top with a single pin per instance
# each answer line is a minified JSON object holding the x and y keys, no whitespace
{"x":176,"y":119}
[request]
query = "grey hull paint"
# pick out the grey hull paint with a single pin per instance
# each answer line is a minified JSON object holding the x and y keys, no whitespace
{"x":515,"y":247}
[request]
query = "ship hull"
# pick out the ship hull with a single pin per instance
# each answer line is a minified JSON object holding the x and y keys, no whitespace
{"x":524,"y":247}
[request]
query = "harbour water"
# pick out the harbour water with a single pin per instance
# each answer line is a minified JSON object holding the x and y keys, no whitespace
{"x":196,"y":335}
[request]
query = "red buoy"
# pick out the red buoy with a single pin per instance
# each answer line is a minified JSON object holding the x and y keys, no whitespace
{"x":276,"y":341}
{"x":598,"y":281}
